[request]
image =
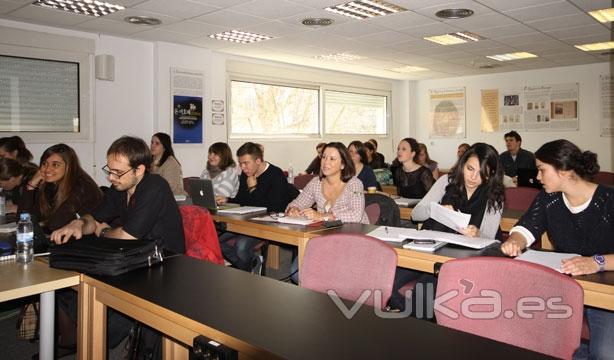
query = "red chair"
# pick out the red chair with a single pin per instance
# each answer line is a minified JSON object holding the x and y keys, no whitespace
{"x":512,"y":301}
{"x":519,"y":198}
{"x":300,"y":181}
{"x":373,"y":212}
{"x":349,"y":264}
{"x":201,"y":240}
{"x":604,"y":178}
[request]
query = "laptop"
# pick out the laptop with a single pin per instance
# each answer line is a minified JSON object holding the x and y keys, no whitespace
{"x":528,"y":178}
{"x":201,"y":192}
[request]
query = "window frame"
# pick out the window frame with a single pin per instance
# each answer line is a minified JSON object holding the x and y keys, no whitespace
{"x":84,"y":61}
{"x":322,"y":88}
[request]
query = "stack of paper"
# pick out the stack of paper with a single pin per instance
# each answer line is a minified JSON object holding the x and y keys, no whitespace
{"x":550,"y":259}
{"x":455,"y":220}
{"x":396,"y":234}
{"x":242,"y":210}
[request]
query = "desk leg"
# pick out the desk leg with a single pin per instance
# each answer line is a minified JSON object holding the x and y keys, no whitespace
{"x":47,"y":329}
{"x":172,"y":350}
{"x":301,"y":251}
{"x":92,"y":325}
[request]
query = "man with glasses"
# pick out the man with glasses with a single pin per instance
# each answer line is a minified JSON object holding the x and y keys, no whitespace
{"x":141,"y":203}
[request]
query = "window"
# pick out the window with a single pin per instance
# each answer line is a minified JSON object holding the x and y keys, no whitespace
{"x":38,"y":95}
{"x":270,"y":110}
{"x":350,"y":113}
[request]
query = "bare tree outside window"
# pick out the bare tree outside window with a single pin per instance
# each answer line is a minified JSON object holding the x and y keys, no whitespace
{"x":265,"y":110}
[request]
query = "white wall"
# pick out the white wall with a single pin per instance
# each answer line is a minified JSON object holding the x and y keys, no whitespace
{"x":587,"y":137}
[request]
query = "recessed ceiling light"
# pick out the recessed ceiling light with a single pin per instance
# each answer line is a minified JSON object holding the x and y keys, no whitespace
{"x":408,"y":69}
{"x":340,"y":57}
{"x":512,"y":56}
{"x":238,"y":36}
{"x":363,"y":9}
{"x":596,"y":46}
{"x":454,"y":13}
{"x":454,"y":38}
{"x":84,"y":7}
{"x":603,"y":15}
{"x":142,"y":20}
{"x":317,"y":22}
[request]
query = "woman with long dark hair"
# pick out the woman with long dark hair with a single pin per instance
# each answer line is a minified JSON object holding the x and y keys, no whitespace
{"x":412,"y":180}
{"x":474,"y":186}
{"x":14,"y":177}
{"x":164,"y":162}
{"x":578,"y":216}
{"x":364,"y":173}
{"x":222,"y":171}
{"x":13,"y":147}
{"x":337,"y":193}
{"x":61,"y":190}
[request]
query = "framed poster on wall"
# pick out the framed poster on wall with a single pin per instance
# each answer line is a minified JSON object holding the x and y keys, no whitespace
{"x":187,"y":112}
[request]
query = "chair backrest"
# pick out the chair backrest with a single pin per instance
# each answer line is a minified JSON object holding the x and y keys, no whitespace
{"x":389,"y":213}
{"x":349,"y":264}
{"x":519,"y":198}
{"x":512,"y":301}
{"x":604,"y":177}
{"x":372,"y":211}
{"x":300,"y":181}
{"x":186,"y":183}
{"x":201,"y":240}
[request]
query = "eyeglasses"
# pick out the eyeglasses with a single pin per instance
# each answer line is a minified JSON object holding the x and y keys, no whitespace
{"x":108,"y":172}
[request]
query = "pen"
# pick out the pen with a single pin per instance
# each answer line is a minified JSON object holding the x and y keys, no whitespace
{"x":386,"y":229}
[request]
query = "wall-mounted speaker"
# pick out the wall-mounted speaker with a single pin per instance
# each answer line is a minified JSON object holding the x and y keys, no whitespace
{"x":105,"y":67}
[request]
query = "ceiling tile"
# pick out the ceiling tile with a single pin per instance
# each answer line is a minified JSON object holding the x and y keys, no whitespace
{"x":163,"y":35}
{"x":8,"y":6}
{"x":296,"y":19}
{"x":121,"y":15}
{"x":562,"y":22}
{"x":505,"y":5}
{"x":178,"y":8}
{"x":317,"y":4}
{"x":384,"y":37}
{"x":517,"y":40}
{"x":590,"y":5}
{"x":506,"y":31}
{"x":587,"y":39}
{"x":46,"y":16}
{"x":544,"y":11}
{"x":276,"y":29}
{"x":271,"y":9}
{"x":222,"y":4}
{"x":430,"y":30}
{"x":108,"y":26}
{"x":585,"y":30}
{"x":193,"y":28}
{"x":353,"y":29}
{"x":401,"y":20}
{"x":230,"y":19}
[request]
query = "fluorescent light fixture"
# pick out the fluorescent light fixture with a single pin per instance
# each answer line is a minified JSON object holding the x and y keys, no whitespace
{"x":603,"y":15}
{"x":408,"y":69}
{"x":340,"y":57}
{"x":238,"y":36}
{"x":460,"y":37}
{"x":84,"y":7}
{"x":512,"y":56}
{"x":364,"y":9}
{"x":596,"y":46}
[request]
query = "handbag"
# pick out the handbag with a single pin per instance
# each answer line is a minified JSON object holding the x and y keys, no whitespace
{"x":27,"y":322}
{"x":104,"y":256}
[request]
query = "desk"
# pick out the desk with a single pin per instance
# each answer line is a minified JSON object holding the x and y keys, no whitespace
{"x":295,"y":235}
{"x":19,"y":280}
{"x":598,"y":288}
{"x":265,"y":319}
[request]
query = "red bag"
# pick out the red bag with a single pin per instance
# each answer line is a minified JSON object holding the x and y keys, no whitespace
{"x":201,"y":240}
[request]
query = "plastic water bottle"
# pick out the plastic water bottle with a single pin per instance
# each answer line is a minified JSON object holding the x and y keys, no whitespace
{"x":290,"y":174}
{"x":2,"y":203}
{"x":25,"y":239}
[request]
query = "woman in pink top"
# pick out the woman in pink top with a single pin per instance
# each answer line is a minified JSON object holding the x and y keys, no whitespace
{"x":337,"y":193}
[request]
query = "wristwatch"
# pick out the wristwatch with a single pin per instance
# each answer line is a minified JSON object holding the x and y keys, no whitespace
{"x":600,"y":260}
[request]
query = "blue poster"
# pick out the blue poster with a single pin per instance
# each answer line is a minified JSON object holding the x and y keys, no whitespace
{"x":187,"y":119}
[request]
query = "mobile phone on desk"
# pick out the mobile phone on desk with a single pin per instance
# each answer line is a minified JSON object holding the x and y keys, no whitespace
{"x":424,"y":242}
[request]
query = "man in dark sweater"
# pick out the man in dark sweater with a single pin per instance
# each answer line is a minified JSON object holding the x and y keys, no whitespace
{"x":515,"y":158}
{"x":260,"y":184}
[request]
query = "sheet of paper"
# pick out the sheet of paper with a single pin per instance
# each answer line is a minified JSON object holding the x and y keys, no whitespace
{"x":546,"y":258}
{"x":296,"y":220}
{"x":265,"y":218}
{"x":389,"y":233}
{"x":453,"y":219}
{"x":406,"y":202}
{"x":398,"y":234}
{"x":242,"y":210}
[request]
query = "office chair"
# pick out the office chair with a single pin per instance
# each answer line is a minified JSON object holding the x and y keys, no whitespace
{"x":372,"y":211}
{"x":512,"y":301}
{"x":519,"y":198}
{"x":349,"y":264}
{"x":186,"y":183}
{"x":300,"y":181}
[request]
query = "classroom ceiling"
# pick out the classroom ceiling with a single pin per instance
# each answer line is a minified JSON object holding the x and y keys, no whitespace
{"x":546,"y":28}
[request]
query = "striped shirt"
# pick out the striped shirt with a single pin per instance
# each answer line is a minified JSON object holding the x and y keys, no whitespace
{"x":225,"y":183}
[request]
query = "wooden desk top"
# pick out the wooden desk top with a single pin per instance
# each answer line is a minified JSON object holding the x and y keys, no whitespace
{"x":19,"y":280}
{"x":265,"y":318}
